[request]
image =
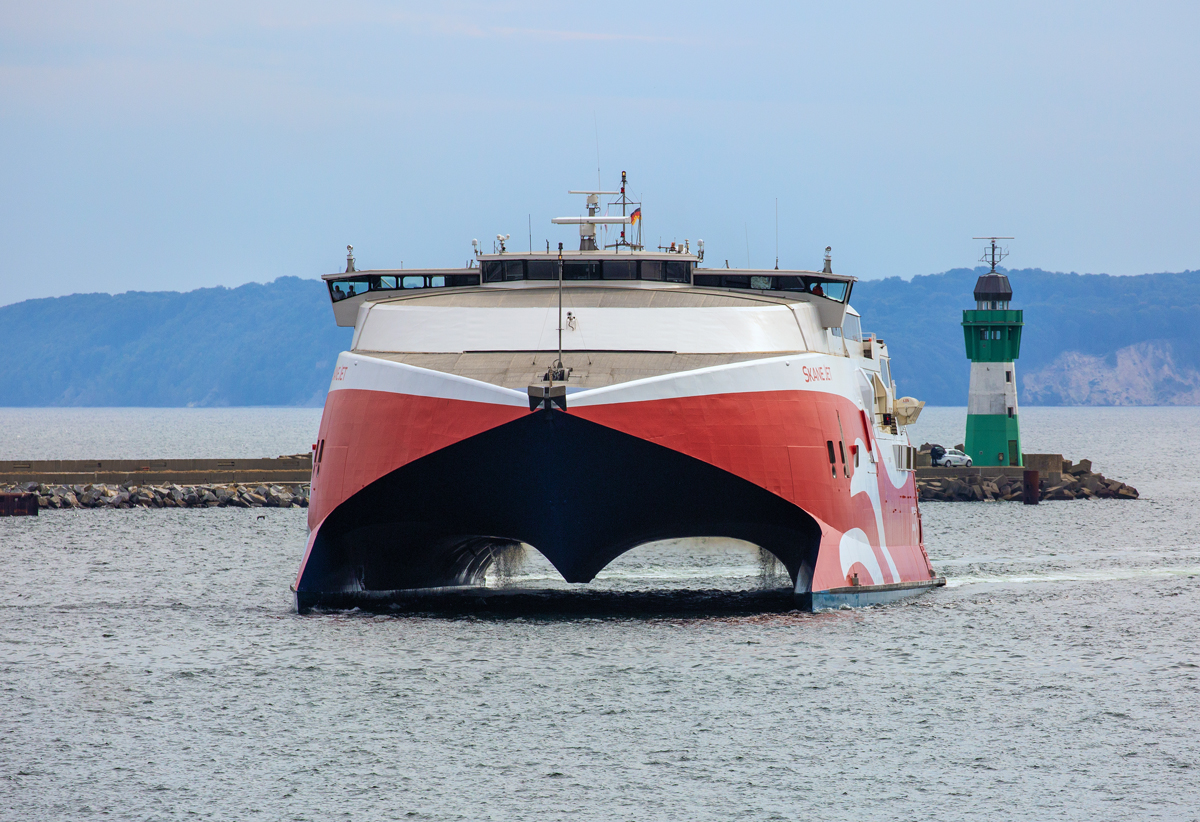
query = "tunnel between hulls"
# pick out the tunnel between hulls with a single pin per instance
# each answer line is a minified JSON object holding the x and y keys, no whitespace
{"x":580,"y":493}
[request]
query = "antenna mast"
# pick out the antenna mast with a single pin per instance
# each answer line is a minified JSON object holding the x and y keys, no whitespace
{"x":995,"y":253}
{"x":624,"y":202}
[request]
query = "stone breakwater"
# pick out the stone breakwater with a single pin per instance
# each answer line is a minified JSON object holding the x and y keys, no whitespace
{"x":165,"y":496}
{"x":1075,"y":481}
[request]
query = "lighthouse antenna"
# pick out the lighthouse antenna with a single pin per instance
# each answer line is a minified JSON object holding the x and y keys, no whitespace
{"x":993,"y":254}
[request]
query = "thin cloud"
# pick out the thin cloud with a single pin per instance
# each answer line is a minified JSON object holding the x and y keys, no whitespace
{"x":572,"y":36}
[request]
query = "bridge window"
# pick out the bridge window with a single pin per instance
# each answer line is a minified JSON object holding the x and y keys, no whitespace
{"x":815,"y":285}
{"x":345,"y":287}
{"x":541,"y":269}
{"x":852,"y":327}
{"x":495,"y":271}
{"x":678,"y":272}
{"x":581,"y":270}
{"x":351,"y":287}
{"x":620,"y":269}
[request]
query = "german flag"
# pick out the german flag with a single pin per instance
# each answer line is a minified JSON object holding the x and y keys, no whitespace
{"x":635,"y":216}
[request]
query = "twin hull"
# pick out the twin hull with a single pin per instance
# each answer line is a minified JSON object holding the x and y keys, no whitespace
{"x":420,"y":477}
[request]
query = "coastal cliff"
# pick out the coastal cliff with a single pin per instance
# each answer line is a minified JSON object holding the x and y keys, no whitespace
{"x":1143,"y":374}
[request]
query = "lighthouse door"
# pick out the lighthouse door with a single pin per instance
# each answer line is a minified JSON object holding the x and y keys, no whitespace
{"x":1014,"y":458}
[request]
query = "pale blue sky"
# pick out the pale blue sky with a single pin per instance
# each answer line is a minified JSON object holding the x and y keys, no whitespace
{"x":172,"y":145}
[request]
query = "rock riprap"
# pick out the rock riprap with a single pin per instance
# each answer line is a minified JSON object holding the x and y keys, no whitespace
{"x":1077,"y":481}
{"x":165,"y":496}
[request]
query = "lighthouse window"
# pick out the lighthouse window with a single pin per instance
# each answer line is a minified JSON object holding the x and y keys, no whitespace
{"x":1010,"y":413}
{"x":1008,"y":377}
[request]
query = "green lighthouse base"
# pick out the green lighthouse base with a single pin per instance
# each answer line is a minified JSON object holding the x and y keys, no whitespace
{"x":993,"y":439}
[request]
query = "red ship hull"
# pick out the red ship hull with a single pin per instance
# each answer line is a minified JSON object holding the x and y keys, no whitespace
{"x":798,"y":470}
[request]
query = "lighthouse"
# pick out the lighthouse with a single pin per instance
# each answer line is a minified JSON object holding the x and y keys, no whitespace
{"x":992,"y":332}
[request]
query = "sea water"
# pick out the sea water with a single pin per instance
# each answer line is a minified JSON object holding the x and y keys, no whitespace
{"x":152,"y":665}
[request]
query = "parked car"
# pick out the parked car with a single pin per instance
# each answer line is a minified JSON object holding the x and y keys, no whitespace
{"x":953,"y":458}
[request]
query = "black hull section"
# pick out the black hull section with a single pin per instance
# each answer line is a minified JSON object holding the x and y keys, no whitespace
{"x":580,"y":493}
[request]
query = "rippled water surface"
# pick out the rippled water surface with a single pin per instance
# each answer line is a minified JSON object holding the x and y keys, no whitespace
{"x":152,"y":667}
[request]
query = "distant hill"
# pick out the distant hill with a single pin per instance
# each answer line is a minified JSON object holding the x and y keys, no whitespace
{"x":272,"y":344}
{"x":1089,"y":340}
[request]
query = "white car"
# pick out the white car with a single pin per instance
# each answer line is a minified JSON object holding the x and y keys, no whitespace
{"x":953,"y":458}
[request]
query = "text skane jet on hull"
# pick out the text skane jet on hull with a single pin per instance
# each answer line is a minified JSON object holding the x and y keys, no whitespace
{"x":588,"y":401}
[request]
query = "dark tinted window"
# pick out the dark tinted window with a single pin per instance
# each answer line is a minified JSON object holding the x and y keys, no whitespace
{"x":581,"y":270}
{"x":652,"y":270}
{"x":514,"y":270}
{"x":542,"y":269}
{"x":620,"y":269}
{"x":679,"y":272}
{"x":341,"y":289}
{"x":493,"y":271}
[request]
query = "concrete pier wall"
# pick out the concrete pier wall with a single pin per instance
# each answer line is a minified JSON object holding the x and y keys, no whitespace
{"x":282,"y":470}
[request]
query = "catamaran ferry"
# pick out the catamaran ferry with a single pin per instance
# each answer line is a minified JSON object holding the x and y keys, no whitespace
{"x":587,"y":401}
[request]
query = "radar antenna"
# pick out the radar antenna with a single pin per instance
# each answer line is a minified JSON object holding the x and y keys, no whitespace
{"x":993,"y":254}
{"x":587,"y":225}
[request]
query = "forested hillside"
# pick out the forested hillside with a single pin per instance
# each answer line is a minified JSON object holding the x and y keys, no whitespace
{"x":272,"y":344}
